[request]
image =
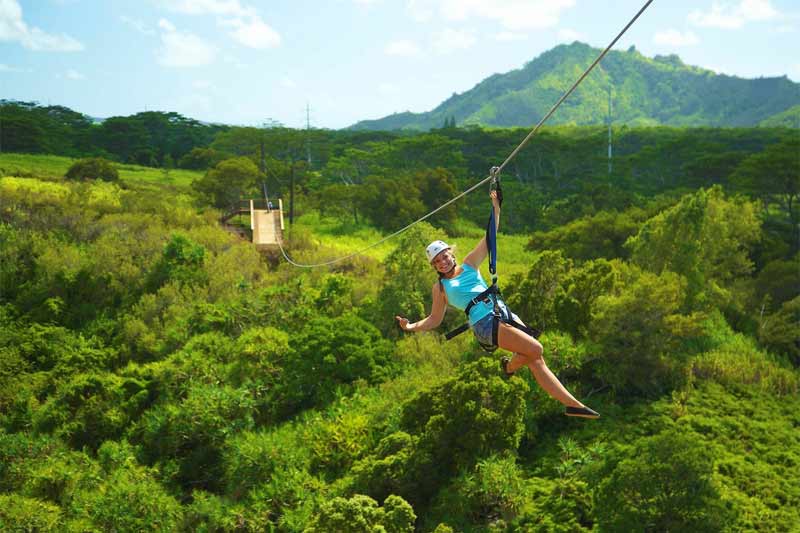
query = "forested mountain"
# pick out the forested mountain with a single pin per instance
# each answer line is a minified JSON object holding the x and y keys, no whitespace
{"x":644,"y":91}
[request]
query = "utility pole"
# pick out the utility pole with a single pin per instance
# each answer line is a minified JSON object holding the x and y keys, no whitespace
{"x":291,"y":192}
{"x":609,"y":129}
{"x":308,"y":134}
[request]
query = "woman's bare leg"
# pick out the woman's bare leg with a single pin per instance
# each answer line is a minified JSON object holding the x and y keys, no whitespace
{"x":528,"y":351}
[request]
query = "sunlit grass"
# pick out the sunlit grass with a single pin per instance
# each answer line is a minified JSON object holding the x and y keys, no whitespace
{"x":34,"y":166}
{"x":53,"y":167}
{"x":340,"y":239}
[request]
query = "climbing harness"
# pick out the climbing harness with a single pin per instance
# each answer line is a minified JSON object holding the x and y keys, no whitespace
{"x":492,"y":294}
{"x":499,"y":169}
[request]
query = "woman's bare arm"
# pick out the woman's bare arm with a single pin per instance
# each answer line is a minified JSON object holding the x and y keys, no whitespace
{"x":479,"y":253}
{"x":432,"y":321}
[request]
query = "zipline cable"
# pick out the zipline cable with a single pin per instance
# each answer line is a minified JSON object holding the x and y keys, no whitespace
{"x":494,"y":172}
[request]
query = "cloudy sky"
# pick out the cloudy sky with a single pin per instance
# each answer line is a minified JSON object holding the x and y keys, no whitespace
{"x":251,"y":61}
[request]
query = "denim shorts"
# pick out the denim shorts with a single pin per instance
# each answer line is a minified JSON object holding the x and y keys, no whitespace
{"x":483,"y":328}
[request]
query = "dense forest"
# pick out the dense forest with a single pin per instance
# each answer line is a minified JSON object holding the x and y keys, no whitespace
{"x":157,"y":373}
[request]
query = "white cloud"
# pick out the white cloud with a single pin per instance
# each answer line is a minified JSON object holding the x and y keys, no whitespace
{"x":420,"y":10}
{"x":74,"y":75}
{"x":14,"y":29}
{"x":137,"y":25}
{"x":183,"y":49}
{"x":164,"y":24}
{"x":247,"y":26}
{"x":672,"y":37}
{"x":733,"y":16}
{"x":231,"y":8}
{"x":511,"y":14}
{"x":449,"y":40}
{"x":566,"y":35}
{"x":288,"y":82}
{"x":254,"y":33}
{"x":510,"y":36}
{"x":403,"y":48}
{"x":202,"y":85}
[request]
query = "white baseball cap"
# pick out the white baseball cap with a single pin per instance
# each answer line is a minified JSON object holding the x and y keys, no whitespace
{"x":435,"y":248}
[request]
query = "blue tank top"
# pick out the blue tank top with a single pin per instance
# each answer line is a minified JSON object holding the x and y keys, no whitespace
{"x":463,"y":288}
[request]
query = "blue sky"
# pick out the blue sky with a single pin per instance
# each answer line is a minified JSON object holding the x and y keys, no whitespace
{"x":250,"y":61}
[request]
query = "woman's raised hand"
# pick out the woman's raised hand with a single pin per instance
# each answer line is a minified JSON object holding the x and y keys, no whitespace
{"x":402,"y":322}
{"x":495,"y":200}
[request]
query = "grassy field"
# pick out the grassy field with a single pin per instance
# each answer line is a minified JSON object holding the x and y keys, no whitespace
{"x":337,"y":240}
{"x":52,"y":167}
{"x":334,"y":238}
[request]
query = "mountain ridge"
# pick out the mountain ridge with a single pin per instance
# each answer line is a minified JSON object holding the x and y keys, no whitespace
{"x":661,"y":90}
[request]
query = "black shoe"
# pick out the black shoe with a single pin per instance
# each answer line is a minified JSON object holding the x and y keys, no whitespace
{"x":504,"y":366}
{"x":583,"y":412}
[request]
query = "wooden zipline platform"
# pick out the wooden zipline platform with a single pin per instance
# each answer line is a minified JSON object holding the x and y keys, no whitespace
{"x":266,"y":225}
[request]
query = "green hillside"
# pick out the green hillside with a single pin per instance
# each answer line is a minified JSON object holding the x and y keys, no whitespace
{"x":158,"y":373}
{"x":645,"y":92}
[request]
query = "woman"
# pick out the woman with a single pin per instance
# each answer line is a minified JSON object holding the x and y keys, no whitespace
{"x":459,"y":285}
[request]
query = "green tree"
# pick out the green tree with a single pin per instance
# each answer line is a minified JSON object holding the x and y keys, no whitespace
{"x":706,"y":238}
{"x":95,"y":168}
{"x":228,"y":182}
{"x":664,"y":484}
{"x":201,"y":158}
{"x":361,"y":514}
{"x":638,"y":330}
{"x":773,"y":176}
{"x":534,"y":296}
{"x":390,"y":204}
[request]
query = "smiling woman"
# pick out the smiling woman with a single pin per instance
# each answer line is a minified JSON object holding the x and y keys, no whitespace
{"x":492,"y":323}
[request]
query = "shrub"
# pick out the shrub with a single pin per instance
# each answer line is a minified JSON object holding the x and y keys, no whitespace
{"x":361,"y":513}
{"x":445,"y":428}
{"x":18,"y":513}
{"x":93,"y":168}
{"x":664,"y":484}
{"x":188,"y":438}
{"x":91,"y":408}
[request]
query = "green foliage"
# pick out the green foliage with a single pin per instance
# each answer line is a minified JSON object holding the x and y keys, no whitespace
{"x":254,"y":393}
{"x":600,"y":235}
{"x":638,"y":329}
{"x":129,"y":498}
{"x":466,"y":418}
{"x":388,"y":203}
{"x":91,"y":408}
{"x":780,"y":331}
{"x":534,"y":296}
{"x":187,"y":438}
{"x":328,"y":355}
{"x":665,"y":484}
{"x":492,"y":492}
{"x":705,"y":238}
{"x":362,"y":513}
{"x":201,"y":159}
{"x":181,"y":261}
{"x":228,"y":182}
{"x":94,"y":168}
{"x":18,"y":513}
